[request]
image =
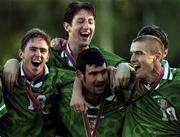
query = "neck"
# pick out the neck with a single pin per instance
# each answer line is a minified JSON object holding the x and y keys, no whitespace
{"x":33,"y":77}
{"x":93,"y":99}
{"x":153,"y":76}
{"x":75,"y":48}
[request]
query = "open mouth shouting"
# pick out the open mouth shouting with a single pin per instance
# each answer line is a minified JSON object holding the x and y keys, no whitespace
{"x":36,"y":63}
{"x":100,"y":87}
{"x":84,"y":36}
{"x":136,"y":66}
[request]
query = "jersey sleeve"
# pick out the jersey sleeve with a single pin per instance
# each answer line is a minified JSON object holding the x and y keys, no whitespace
{"x":57,"y":79}
{"x":111,"y":58}
{"x":3,"y":109}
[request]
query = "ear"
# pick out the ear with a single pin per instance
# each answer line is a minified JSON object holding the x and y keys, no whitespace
{"x":158,"y":56}
{"x":79,"y":74}
{"x":67,"y":26}
{"x":165,"y":52}
{"x":47,"y":58}
{"x":21,"y":54}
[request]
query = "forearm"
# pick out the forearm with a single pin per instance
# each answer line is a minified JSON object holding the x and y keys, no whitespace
{"x":77,"y":101}
{"x":10,"y":73}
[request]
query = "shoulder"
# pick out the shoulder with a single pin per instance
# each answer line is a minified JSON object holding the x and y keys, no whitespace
{"x":55,"y":59}
{"x":56,"y":79}
{"x":60,"y":74}
{"x":112,"y":58}
{"x":176,"y":73}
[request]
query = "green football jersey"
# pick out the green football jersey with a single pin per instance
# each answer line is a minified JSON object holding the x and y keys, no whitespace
{"x":3,"y":109}
{"x":110,"y":122}
{"x":57,"y":60}
{"x":66,"y":91}
{"x":23,"y":119}
{"x":157,"y":114}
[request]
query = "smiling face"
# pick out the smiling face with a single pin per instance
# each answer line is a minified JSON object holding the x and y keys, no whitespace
{"x":146,"y":56}
{"x":34,"y":57}
{"x":141,"y":59}
{"x":81,"y":30}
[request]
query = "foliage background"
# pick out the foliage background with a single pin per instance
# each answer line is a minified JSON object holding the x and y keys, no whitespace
{"x":117,"y":23}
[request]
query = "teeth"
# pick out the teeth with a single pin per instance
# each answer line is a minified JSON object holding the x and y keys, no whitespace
{"x":86,"y":33}
{"x":136,"y":66}
{"x":36,"y":61}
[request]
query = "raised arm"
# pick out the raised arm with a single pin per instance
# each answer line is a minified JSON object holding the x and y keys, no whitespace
{"x":122,"y":76}
{"x":77,"y":103}
{"x":10,"y":73}
{"x":58,"y":44}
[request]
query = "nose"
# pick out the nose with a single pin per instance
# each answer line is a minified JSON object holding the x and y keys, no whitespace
{"x":133,"y":58}
{"x":86,"y":25}
{"x":100,"y":77}
{"x":38,"y":52}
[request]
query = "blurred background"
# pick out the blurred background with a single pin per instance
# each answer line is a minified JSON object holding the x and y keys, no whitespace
{"x":117,"y":23}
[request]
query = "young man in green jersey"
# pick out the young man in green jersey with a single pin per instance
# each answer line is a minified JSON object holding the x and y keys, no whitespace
{"x":22,"y":118}
{"x":79,"y":24}
{"x":102,"y":104}
{"x":30,"y":102}
{"x":154,"y":108}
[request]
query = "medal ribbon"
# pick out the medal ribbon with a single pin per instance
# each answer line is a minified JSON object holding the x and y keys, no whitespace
{"x":31,"y":96}
{"x":89,"y":132}
{"x":69,"y":55}
{"x":153,"y":86}
{"x":131,"y":99}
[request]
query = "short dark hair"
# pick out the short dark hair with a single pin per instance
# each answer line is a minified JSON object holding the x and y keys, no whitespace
{"x":34,"y":33}
{"x":155,"y":31}
{"x":91,"y":56}
{"x":74,"y":7}
{"x":151,"y":40}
